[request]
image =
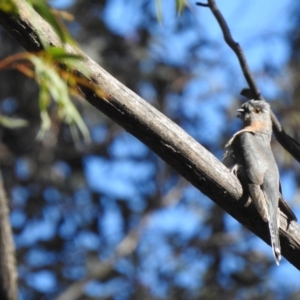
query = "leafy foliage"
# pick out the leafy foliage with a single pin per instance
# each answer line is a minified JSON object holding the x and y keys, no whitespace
{"x":8,"y":6}
{"x":41,"y":6}
{"x":55,"y":83}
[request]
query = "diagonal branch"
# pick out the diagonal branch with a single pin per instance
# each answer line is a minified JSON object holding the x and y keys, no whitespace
{"x":160,"y":134}
{"x":287,"y":142}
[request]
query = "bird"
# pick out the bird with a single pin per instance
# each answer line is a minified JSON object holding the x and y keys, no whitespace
{"x":249,"y":156}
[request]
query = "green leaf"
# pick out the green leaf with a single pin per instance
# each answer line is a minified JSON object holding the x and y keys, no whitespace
{"x":53,"y":85}
{"x":73,"y":61}
{"x":159,"y":10}
{"x":58,"y":53}
{"x":46,"y":124}
{"x":8,"y":6}
{"x":43,"y":9}
{"x":180,"y":6}
{"x":12,"y":122}
{"x":44,"y":97}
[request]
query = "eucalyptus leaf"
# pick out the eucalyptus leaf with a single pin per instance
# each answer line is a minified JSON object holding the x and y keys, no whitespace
{"x":12,"y":122}
{"x":8,"y":6}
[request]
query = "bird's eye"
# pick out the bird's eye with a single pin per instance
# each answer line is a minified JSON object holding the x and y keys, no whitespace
{"x":257,"y":110}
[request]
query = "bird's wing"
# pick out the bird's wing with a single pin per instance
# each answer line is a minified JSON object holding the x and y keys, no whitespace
{"x":233,"y":148}
{"x":258,"y":199}
{"x":270,"y":188}
{"x":251,"y":155}
{"x":251,"y":167}
{"x":284,"y":207}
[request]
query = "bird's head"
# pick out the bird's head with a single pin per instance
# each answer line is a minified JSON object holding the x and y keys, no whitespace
{"x":256,"y":113}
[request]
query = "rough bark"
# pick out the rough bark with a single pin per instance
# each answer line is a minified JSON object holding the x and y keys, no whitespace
{"x":8,"y":273}
{"x":165,"y":138}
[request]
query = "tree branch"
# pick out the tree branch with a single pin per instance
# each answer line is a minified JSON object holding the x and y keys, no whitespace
{"x":160,"y":134}
{"x":236,"y":48}
{"x":202,"y":4}
{"x":287,"y":142}
{"x":8,"y":270}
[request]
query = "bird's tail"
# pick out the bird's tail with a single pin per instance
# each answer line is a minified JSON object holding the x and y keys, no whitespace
{"x":273,"y":220}
{"x":274,"y":232}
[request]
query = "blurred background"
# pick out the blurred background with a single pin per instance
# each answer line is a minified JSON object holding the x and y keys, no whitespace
{"x":109,"y":219}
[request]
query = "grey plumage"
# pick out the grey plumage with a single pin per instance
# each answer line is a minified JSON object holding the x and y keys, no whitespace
{"x":248,"y":154}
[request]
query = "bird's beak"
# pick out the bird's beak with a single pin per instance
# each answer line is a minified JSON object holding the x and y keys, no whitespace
{"x":240,"y":111}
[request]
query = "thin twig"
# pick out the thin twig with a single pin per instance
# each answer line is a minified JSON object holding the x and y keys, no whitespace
{"x":202,"y":4}
{"x":236,"y":48}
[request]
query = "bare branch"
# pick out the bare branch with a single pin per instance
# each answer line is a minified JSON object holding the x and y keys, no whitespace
{"x":236,"y":48}
{"x":160,"y":134}
{"x":202,"y":4}
{"x":286,"y":141}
